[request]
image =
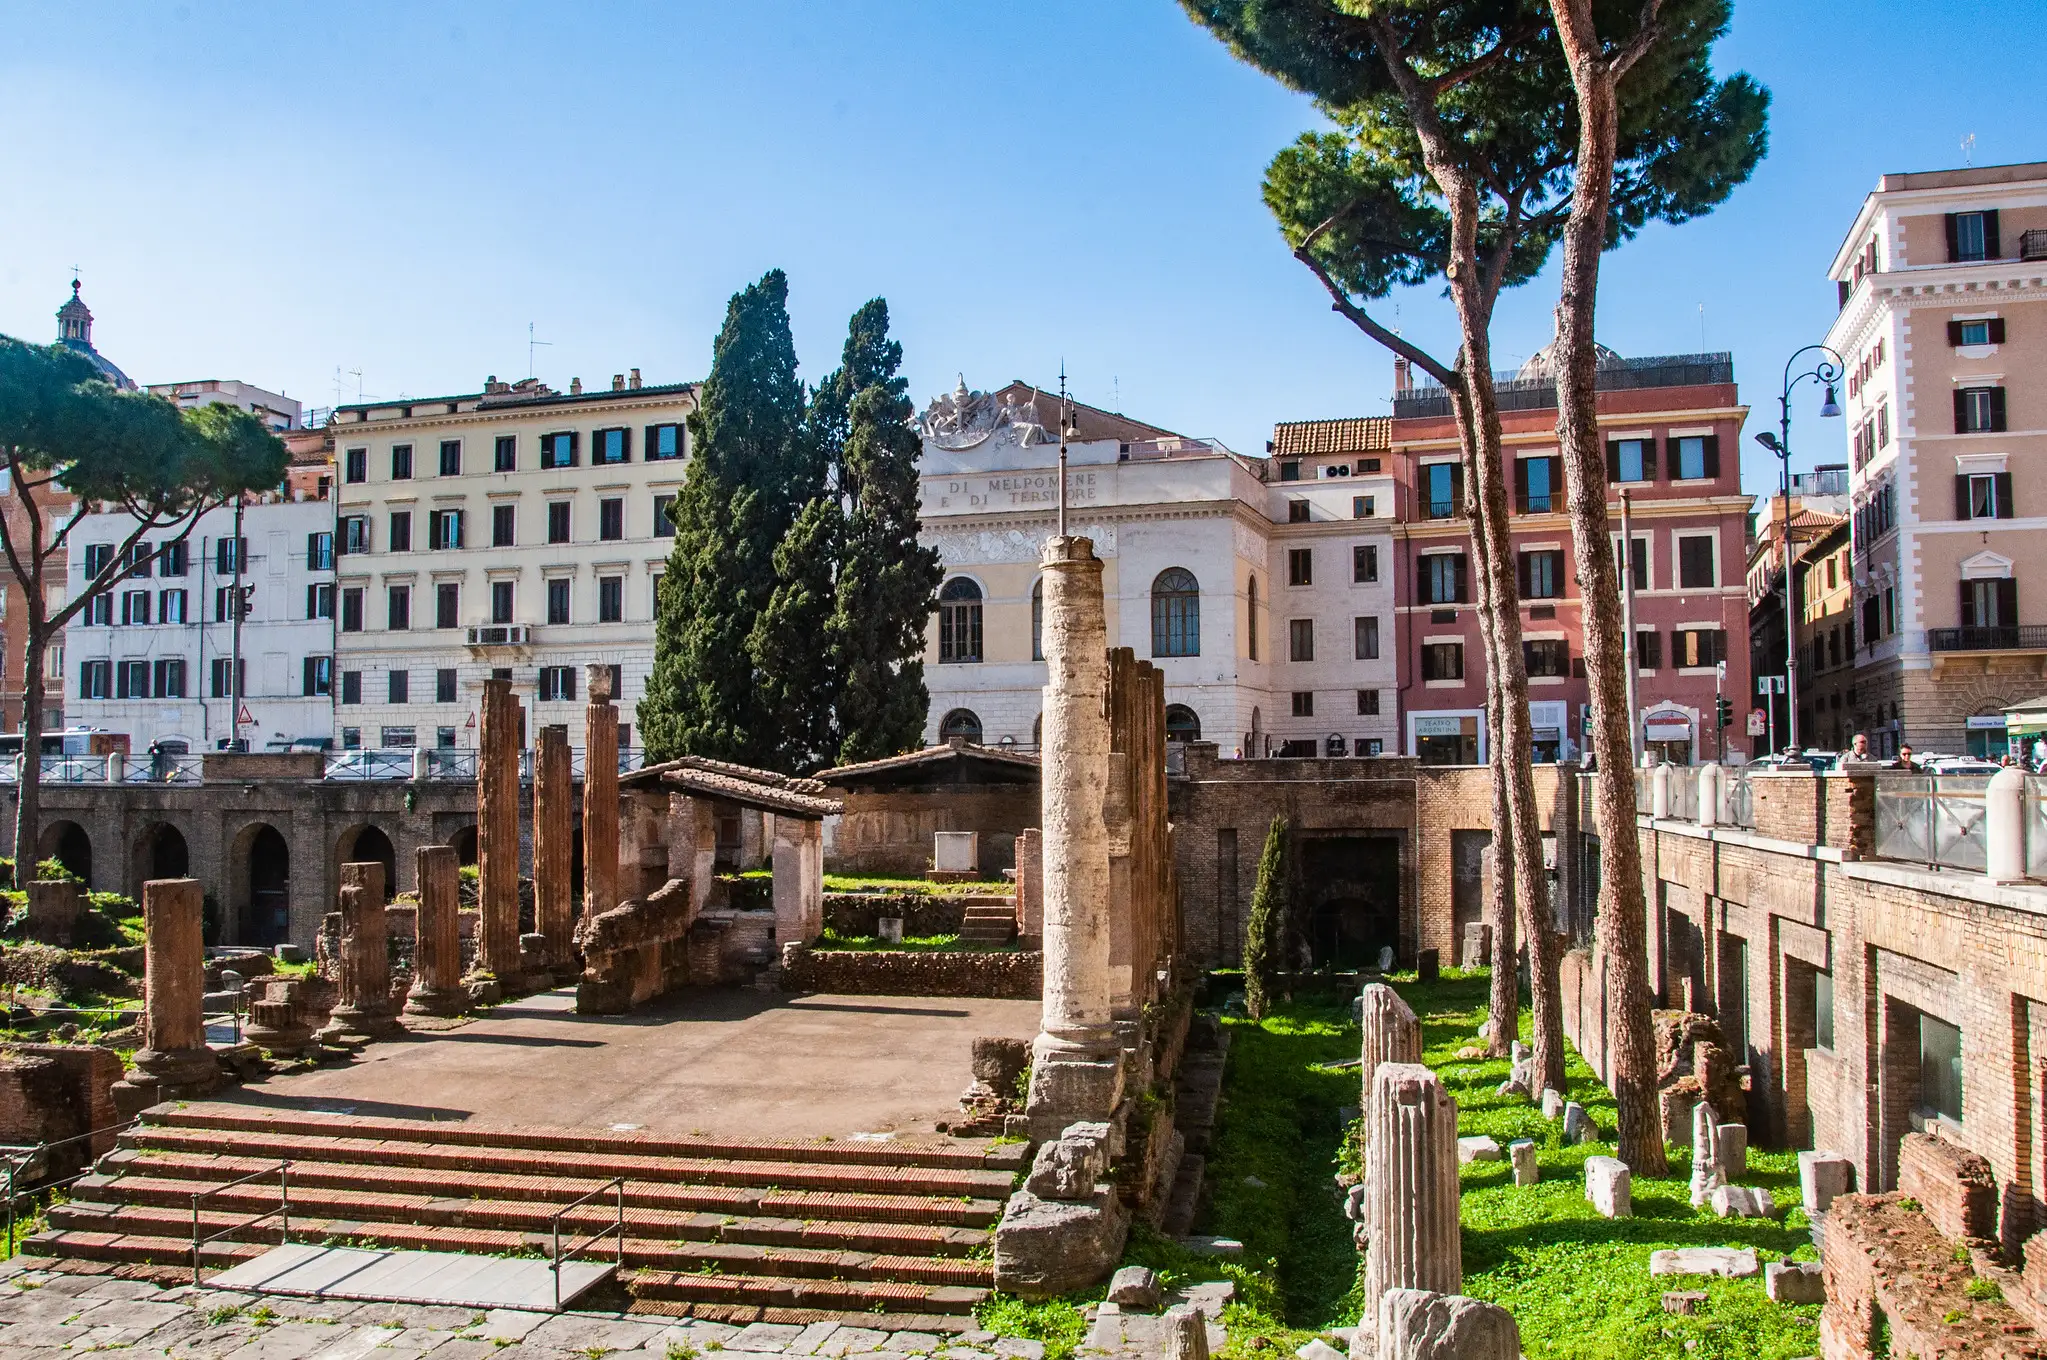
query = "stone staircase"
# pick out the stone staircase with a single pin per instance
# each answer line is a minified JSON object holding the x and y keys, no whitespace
{"x":735,"y":1230}
{"x":988,"y":920}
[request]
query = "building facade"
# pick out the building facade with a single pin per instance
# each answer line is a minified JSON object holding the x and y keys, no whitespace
{"x":1943,"y":329}
{"x":277,"y":411}
{"x":1672,"y":427}
{"x":1825,"y":596}
{"x":1818,"y":500}
{"x":1259,"y":587}
{"x":518,"y":531}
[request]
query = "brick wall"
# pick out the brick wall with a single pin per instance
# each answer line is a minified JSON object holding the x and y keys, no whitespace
{"x":890,"y":833}
{"x":1955,"y":1188}
{"x":889,"y":972}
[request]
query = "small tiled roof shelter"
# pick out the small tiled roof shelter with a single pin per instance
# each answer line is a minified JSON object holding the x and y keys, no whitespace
{"x":894,"y":806}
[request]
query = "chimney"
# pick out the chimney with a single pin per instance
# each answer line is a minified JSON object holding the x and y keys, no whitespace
{"x":575,"y":387}
{"x":1403,"y":374}
{"x":618,"y":382}
{"x":636,"y":380}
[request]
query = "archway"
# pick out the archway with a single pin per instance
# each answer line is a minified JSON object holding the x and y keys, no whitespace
{"x":160,"y":852}
{"x":1182,"y":723}
{"x":464,"y":843}
{"x":263,"y":917}
{"x":368,"y":843}
{"x":963,"y":723}
{"x":1351,"y":892}
{"x":67,"y":843}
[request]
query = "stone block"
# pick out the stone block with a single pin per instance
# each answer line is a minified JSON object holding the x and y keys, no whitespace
{"x":1317,"y":1349}
{"x":1795,"y":1282}
{"x":1684,"y":1302}
{"x":1552,"y":1103}
{"x":889,"y":929}
{"x":288,"y":953}
{"x":1731,"y":1144}
{"x":956,"y":852}
{"x":1743,"y":1201}
{"x":1478,"y":944}
{"x":1049,"y":1247}
{"x":1956,"y":1188}
{"x":1608,"y":1185}
{"x":1385,"y":958}
{"x":1223,"y":1248}
{"x":1414,"y":1324}
{"x":1730,"y":1262}
{"x":1578,"y":1125}
{"x":1521,"y":1152}
{"x":1070,"y":1166}
{"x":1185,"y":1335}
{"x":1428,"y":966}
{"x":1134,"y":1287}
{"x":1477,"y":1149}
{"x":1821,"y":1176}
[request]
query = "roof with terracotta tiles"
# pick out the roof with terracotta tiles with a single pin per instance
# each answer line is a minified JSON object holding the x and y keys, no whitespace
{"x":1362,"y":434}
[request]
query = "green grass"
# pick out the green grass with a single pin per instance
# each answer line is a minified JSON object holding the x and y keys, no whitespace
{"x":915,"y":944}
{"x":892,"y":883}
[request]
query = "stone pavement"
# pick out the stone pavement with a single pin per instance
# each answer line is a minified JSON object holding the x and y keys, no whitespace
{"x":47,"y":1314}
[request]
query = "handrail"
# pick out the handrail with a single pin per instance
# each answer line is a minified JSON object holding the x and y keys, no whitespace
{"x":281,"y":1212}
{"x":37,"y":1156}
{"x":554,"y":1228}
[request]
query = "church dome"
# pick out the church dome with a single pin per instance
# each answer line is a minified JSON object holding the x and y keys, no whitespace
{"x":74,"y":332}
{"x":1541,"y":364}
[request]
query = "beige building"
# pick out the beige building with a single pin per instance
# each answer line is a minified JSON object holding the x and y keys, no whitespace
{"x":1943,"y":327}
{"x":517,"y":531}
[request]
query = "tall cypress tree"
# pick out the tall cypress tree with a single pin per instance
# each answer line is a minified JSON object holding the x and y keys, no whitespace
{"x":739,"y":496}
{"x":797,"y":666}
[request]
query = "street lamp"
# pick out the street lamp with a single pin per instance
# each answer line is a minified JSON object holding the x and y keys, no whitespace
{"x":1826,"y":371}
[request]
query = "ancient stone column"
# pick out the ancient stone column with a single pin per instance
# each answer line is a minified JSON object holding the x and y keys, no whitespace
{"x":1418,"y":1325}
{"x":1077,"y":1074}
{"x":364,"y":1010}
{"x":553,"y":845}
{"x":600,"y":795}
{"x":174,"y":1060}
{"x":497,"y":832}
{"x":1410,"y":1187}
{"x":1030,"y":883}
{"x":1392,"y":1034}
{"x":437,"y":948}
{"x":791,"y":881}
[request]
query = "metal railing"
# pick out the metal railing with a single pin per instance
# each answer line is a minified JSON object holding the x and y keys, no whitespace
{"x":2033,"y":244}
{"x":282,"y":1212}
{"x":1516,"y":393}
{"x":1991,"y":638}
{"x":554,"y":1229}
{"x":448,"y":764}
{"x":34,"y":1162}
{"x":1935,"y":820}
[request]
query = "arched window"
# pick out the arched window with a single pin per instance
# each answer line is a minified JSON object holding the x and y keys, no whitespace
{"x":1176,"y":614}
{"x":961,"y":722}
{"x":1251,"y":617}
{"x":1038,"y":620}
{"x":959,"y":623}
{"x":1182,"y":724}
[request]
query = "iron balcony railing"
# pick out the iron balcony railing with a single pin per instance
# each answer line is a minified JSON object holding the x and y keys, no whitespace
{"x":448,"y":765}
{"x":1516,"y":393}
{"x":1935,"y":820}
{"x":2027,"y":637}
{"x":2033,"y":244}
{"x":1540,"y":503}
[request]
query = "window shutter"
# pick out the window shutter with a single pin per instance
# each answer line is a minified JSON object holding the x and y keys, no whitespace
{"x":2004,"y":506}
{"x":649,"y":445}
{"x":1968,"y":605}
{"x":1521,"y":565}
{"x":1997,"y":409}
{"x":1457,"y":499}
{"x":1992,"y":247}
{"x":1961,"y":497}
{"x":1577,"y":668}
{"x":1954,"y":240}
{"x":2008,"y":604}
{"x":1461,"y":567}
{"x":1954,"y":333}
{"x":1712,"y":453}
{"x":1996,"y":330}
{"x":1521,"y":480}
{"x":1961,"y":411}
{"x":1613,"y":460}
{"x":1842,"y":289}
{"x":1649,"y":460}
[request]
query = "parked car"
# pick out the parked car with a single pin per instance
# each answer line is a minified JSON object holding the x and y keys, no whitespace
{"x":1958,"y":765}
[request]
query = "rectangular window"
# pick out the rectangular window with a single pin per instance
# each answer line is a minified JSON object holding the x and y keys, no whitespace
{"x":1695,"y":458}
{"x":356,"y":466}
{"x":355,"y":534}
{"x":170,"y":606}
{"x":223,"y":604}
{"x":557,"y":683}
{"x":170,"y":678}
{"x":1364,"y":564}
{"x":1979,"y":410}
{"x":351,"y":609}
{"x":139,"y":559}
{"x":444,"y":528}
{"x":663,"y":442}
{"x":1442,"y":578}
{"x":1695,"y":567}
{"x":351,"y":738}
{"x":1443,"y":490}
{"x":1962,"y":333}
{"x":175,"y":559}
{"x":664,"y":523}
{"x":506,"y":458}
{"x":401,"y":462}
{"x":351,"y":687}
{"x":134,"y":606}
{"x":1443,"y":661}
{"x":1542,"y":574}
{"x":1637,"y":557}
{"x":1368,"y":703}
{"x":610,"y":447}
{"x":1363,"y":507}
{"x":1940,"y":1068}
{"x":220,"y":675}
{"x":230,"y":555}
{"x":319,"y":552}
{"x":401,"y":531}
{"x":444,"y":738}
{"x":1631,"y":460}
{"x":1648,"y":649}
{"x":558,"y":450}
{"x":1300,"y":639}
{"x":451,"y":458}
{"x":1540,"y":489}
{"x":397,"y":738}
{"x":398,"y":608}
{"x":95,"y":679}
{"x":97,"y":557}
{"x":500,"y":601}
{"x":1990,"y":604}
{"x":1983,"y":496}
{"x":99,"y":611}
{"x":1693,"y":648}
{"x":504,"y":524}
{"x":557,"y":600}
{"x":611,"y":519}
{"x":1290,"y":472}
{"x":1304,"y":705}
{"x":447,"y":605}
{"x":316,"y":676}
{"x":1296,"y":512}
{"x":131,"y":680}
{"x":625,"y":730}
{"x":1300,"y":566}
{"x":1365,"y":637}
{"x":1547,"y":658}
{"x":319,"y":600}
{"x":611,"y":600}
{"x":1972,"y":236}
{"x":398,"y":687}
{"x":444,"y":685}
{"x":1823,"y":1010}
{"x":557,"y":521}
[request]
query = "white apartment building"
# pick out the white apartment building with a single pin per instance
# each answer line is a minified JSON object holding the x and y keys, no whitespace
{"x":278,"y":412}
{"x":518,"y":531}
{"x":1268,"y":604}
{"x":153,"y":657}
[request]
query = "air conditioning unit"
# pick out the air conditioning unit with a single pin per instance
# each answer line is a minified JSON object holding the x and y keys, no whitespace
{"x":1337,"y":470}
{"x":500,"y":635}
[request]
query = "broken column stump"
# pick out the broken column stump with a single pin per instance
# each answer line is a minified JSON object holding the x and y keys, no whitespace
{"x":553,"y":836}
{"x":437,"y":951}
{"x":497,"y":834}
{"x":174,"y":1062}
{"x":1411,"y":1191}
{"x":364,"y":961}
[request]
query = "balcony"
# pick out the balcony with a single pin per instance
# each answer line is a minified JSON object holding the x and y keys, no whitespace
{"x":2033,"y":244}
{"x":1517,"y":393}
{"x":1443,"y":509}
{"x":2027,"y":637}
{"x":1540,"y":503}
{"x":501,"y":635}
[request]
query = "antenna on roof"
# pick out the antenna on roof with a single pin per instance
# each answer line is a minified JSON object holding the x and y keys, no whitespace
{"x":1063,"y":422}
{"x":531,"y":345}
{"x":358,"y":382}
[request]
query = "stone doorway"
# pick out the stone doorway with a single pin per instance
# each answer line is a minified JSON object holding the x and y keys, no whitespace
{"x":265,"y":916}
{"x":67,"y":843}
{"x":1350,"y":898}
{"x":371,"y":843}
{"x":161,"y":852}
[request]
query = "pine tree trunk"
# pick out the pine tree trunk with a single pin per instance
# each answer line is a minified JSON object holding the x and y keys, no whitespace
{"x":28,"y":811}
{"x":1504,"y":1005}
{"x":1622,"y":929}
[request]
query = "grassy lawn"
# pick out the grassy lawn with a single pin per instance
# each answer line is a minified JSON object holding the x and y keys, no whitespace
{"x":914,"y":944}
{"x":887,"y":883}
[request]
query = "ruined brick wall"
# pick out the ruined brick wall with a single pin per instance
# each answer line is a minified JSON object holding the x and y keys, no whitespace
{"x":890,"y":833}
{"x":1886,"y":1263}
{"x":1954,"y":1187}
{"x":859,"y":972}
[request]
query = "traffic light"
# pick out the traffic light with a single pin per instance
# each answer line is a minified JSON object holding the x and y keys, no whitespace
{"x":243,"y":601}
{"x":1726,"y":707}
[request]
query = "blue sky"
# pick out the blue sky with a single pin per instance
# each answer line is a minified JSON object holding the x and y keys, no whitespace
{"x":274,"y":192}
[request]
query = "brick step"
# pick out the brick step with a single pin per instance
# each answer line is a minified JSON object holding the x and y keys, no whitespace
{"x":824,"y":1295}
{"x":938,"y":1220}
{"x":962,"y":1154}
{"x":118,"y":1248}
{"x":945,"y":1324}
{"x":453,"y":1210}
{"x":172,"y":1225}
{"x":911,"y":1180}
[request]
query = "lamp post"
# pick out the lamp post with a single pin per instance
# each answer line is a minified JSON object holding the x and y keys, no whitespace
{"x":1826,"y":370}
